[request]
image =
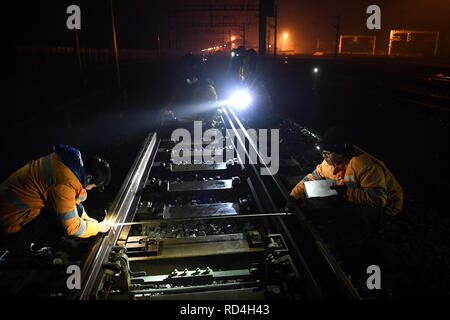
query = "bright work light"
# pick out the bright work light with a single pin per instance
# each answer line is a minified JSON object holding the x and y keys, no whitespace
{"x":240,"y":99}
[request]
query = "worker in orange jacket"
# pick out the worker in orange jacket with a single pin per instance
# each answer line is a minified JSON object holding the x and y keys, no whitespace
{"x":41,"y":201}
{"x":369,"y":190}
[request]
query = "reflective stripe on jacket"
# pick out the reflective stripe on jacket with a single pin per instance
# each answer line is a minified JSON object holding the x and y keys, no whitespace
{"x":48,"y":182}
{"x":368,"y":181}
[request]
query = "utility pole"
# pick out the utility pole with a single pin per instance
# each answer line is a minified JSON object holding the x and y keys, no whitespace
{"x":116,"y":69}
{"x":223,"y":40}
{"x":159,"y":45}
{"x":266,"y":9}
{"x":158,"y":32}
{"x":338,"y":31}
{"x":436,"y":44}
{"x":262,"y":28}
{"x":78,"y":51}
{"x":168,"y":31}
{"x":275,"y":35}
{"x":243,"y":34}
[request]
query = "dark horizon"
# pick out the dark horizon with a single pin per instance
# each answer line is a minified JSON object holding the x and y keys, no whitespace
{"x":139,"y":23}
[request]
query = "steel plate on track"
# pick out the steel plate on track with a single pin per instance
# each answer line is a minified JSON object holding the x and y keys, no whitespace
{"x":199,"y":185}
{"x":198,"y":167}
{"x":201,"y":210}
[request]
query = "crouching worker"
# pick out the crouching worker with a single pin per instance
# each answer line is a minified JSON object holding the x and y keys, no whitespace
{"x":367,"y":191}
{"x":41,"y":202}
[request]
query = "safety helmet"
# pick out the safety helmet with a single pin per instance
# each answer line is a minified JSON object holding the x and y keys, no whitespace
{"x":336,"y":139}
{"x":100,"y":171}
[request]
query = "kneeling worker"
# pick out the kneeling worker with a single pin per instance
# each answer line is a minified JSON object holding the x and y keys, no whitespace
{"x":366,"y":185}
{"x":41,"y":202}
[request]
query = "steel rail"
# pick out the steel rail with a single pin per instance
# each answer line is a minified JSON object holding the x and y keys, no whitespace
{"x":203,"y":288}
{"x":314,"y":291}
{"x":441,"y":101}
{"x":120,"y":209}
{"x":235,"y":216}
{"x":432,"y":106}
{"x":118,"y":213}
{"x":341,"y":279}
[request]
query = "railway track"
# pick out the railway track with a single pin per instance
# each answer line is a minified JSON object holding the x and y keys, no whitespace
{"x":208,"y":229}
{"x":426,"y":92}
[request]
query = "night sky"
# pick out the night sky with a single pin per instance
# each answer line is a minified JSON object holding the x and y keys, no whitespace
{"x":136,"y":23}
{"x":139,"y":22}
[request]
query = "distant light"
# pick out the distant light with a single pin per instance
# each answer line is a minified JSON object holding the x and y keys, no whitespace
{"x":233,"y":38}
{"x":285,"y":35}
{"x":316,"y":70}
{"x":233,"y":53}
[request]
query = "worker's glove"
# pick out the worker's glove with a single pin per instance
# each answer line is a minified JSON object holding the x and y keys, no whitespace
{"x":291,"y":204}
{"x":84,"y":215}
{"x":104,"y":227}
{"x":89,"y":219}
{"x":341,"y":190}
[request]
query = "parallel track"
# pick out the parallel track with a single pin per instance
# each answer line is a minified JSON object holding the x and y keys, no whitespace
{"x":321,"y":276}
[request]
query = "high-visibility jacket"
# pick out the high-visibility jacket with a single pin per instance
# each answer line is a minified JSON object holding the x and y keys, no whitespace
{"x":368,"y":182}
{"x":48,"y":181}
